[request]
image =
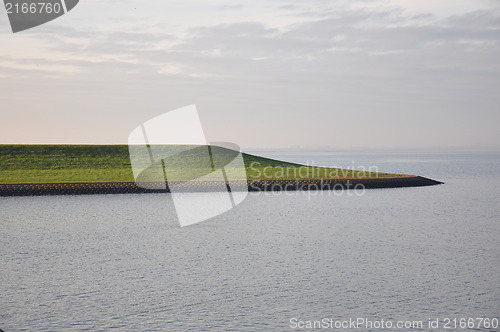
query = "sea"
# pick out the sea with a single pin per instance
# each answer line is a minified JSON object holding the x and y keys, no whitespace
{"x":420,"y":259}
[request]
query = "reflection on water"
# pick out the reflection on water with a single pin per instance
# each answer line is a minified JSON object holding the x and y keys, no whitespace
{"x":121,"y":261}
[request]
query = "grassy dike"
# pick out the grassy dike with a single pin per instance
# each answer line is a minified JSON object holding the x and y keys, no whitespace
{"x":111,"y":163}
{"x":94,"y":169}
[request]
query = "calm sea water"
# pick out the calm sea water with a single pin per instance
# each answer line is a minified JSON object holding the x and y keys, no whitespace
{"x":96,"y":263}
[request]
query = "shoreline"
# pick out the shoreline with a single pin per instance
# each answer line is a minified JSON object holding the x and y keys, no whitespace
{"x":104,"y":188}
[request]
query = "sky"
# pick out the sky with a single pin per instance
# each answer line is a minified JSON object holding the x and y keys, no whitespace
{"x":270,"y":74}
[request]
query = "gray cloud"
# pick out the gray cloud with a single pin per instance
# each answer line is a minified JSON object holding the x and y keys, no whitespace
{"x":394,"y":78}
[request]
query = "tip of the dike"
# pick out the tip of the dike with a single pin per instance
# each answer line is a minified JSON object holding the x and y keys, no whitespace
{"x":428,"y":182}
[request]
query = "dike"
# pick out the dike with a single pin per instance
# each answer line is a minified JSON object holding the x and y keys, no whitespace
{"x":104,"y":188}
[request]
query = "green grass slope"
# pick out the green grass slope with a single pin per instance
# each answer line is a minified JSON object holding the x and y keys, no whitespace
{"x":111,"y":163}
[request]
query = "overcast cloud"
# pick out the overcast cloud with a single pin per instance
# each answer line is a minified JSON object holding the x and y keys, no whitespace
{"x":262,"y":73}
